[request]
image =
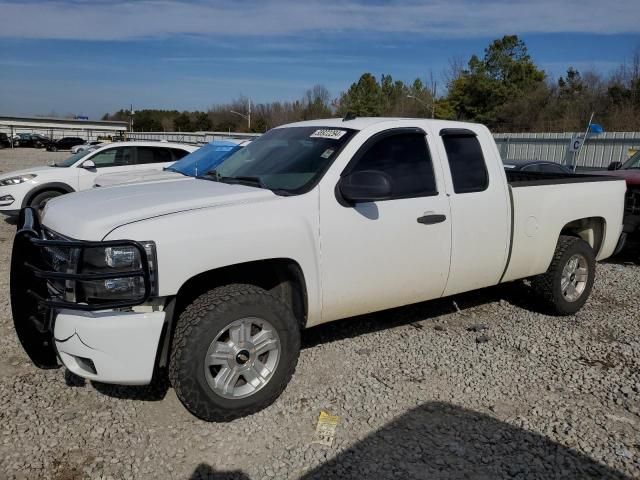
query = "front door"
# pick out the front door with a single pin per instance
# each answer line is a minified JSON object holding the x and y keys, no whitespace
{"x":110,"y":160}
{"x":384,"y":254}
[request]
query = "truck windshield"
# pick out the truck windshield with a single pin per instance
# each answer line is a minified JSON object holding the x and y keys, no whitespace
{"x":67,"y":162}
{"x":204,"y":159}
{"x":633,"y":163}
{"x":287,"y":160}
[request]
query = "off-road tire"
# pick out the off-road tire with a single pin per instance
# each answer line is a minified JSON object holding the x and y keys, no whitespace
{"x":198,"y":325}
{"x":547,"y":285}
{"x":43,"y":197}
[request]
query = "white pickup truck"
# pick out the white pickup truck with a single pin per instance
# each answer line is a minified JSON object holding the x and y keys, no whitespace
{"x":214,"y":277}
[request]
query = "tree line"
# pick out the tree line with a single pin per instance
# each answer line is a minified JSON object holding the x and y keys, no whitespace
{"x":503,"y":89}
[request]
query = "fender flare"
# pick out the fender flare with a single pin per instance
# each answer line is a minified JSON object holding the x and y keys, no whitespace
{"x":59,"y":186}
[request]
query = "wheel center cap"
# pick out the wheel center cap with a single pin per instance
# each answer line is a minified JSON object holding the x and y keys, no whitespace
{"x":573,"y":277}
{"x":242,"y":357}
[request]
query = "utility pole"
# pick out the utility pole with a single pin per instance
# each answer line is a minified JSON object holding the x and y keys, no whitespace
{"x":425,"y":105}
{"x":131,"y":112}
{"x":247,"y":117}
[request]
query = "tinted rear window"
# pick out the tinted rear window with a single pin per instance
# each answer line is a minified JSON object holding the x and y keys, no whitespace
{"x":468,"y":169}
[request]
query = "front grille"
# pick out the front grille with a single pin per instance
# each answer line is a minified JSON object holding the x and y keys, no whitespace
{"x":632,"y":202}
{"x":48,"y":265}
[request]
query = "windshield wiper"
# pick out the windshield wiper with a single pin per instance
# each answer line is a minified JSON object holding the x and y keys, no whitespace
{"x":242,"y":180}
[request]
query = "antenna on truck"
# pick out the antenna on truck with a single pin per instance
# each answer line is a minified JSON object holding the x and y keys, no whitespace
{"x":349,"y":116}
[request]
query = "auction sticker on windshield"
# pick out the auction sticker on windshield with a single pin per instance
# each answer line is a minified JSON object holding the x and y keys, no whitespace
{"x":328,"y":133}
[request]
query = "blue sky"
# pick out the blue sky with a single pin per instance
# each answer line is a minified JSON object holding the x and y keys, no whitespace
{"x":92,"y":57}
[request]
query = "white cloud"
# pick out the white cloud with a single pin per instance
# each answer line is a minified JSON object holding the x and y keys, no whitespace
{"x":119,"y":20}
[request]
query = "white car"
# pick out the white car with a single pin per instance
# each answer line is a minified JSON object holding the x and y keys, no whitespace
{"x":197,"y":163}
{"x":36,"y":185}
{"x":214,"y":277}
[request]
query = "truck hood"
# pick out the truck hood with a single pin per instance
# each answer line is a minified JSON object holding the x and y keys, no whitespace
{"x":111,"y":179}
{"x":92,"y":214}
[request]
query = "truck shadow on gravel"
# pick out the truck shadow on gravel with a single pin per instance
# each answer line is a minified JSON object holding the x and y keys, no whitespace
{"x":153,"y":392}
{"x":442,"y":441}
{"x":630,"y":254}
{"x":516,"y":293}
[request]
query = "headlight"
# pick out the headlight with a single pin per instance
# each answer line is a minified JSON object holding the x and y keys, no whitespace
{"x":17,"y":179}
{"x":113,"y":260}
{"x":120,"y":271}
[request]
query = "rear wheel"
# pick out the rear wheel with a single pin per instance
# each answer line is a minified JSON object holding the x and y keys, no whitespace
{"x":566,"y":285}
{"x":41,"y":199}
{"x":234,"y":350}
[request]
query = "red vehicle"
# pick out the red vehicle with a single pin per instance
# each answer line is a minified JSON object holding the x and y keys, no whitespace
{"x":630,"y":171}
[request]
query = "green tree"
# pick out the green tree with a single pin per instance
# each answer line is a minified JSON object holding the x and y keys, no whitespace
{"x":182,"y":123}
{"x":483,"y":91}
{"x":364,"y":98}
{"x":201,"y":122}
{"x":572,"y":85}
{"x":316,"y":103}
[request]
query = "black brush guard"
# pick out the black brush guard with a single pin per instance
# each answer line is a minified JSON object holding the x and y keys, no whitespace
{"x":33,"y":300}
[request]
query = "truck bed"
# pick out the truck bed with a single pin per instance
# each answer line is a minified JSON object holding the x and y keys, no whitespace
{"x":531,"y":179}
{"x":550,"y":202}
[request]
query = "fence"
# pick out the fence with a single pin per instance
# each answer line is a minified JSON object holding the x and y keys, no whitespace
{"x":597,"y":152}
{"x":89,"y":134}
{"x":189,"y":137}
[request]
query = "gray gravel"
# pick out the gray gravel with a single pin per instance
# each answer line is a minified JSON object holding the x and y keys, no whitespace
{"x":483,"y":388}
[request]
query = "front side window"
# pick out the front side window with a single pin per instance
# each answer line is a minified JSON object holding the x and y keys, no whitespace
{"x":287,"y":160}
{"x":405,"y":158}
{"x":466,"y":162}
{"x":114,"y":157}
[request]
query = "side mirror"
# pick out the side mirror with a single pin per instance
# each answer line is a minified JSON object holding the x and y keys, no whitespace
{"x":365,"y":186}
{"x":615,"y":166}
{"x":89,"y":165}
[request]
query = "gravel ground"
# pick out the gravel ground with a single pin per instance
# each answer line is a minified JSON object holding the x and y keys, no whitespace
{"x":477,"y":386}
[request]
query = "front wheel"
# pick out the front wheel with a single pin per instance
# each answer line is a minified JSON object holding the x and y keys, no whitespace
{"x":234,"y":351}
{"x":566,"y":285}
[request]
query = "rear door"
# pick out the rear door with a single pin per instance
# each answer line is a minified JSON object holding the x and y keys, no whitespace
{"x":479,"y":200}
{"x":378,"y":255}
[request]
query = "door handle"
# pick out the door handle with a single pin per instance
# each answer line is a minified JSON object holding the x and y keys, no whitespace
{"x":432,"y":219}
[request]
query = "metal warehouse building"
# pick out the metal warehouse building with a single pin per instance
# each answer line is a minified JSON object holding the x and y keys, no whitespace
{"x":61,"y":127}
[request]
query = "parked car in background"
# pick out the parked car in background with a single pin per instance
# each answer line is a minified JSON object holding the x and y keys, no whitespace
{"x":65,"y":143}
{"x":214,"y":277}
{"x":197,"y":163}
{"x":5,"y":142}
{"x":36,"y":185}
{"x":630,"y":172}
{"x":86,"y":146}
{"x":540,"y":166}
{"x":33,"y":140}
